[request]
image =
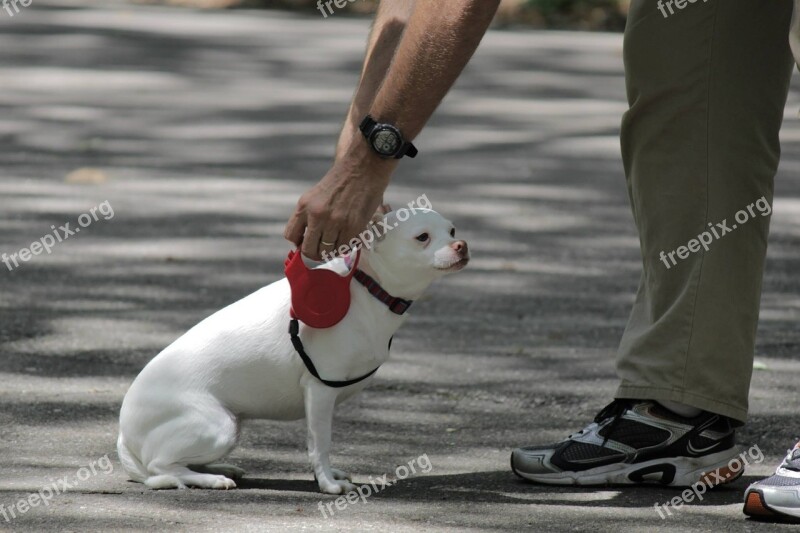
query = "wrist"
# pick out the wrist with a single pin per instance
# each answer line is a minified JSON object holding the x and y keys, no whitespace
{"x":357,"y":158}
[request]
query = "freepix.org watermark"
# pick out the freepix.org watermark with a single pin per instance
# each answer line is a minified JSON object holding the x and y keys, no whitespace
{"x":12,"y":7}
{"x":711,"y":479}
{"x":326,"y":6}
{"x":47,"y":493}
{"x":378,"y":229}
{"x":58,"y":235}
{"x":375,"y":485}
{"x":665,"y":6}
{"x":716,"y":232}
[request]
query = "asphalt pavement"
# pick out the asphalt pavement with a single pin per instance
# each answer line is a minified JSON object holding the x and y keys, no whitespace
{"x":178,"y":141}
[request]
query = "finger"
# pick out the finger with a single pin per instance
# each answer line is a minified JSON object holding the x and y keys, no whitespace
{"x":311,"y":243}
{"x":328,"y":244}
{"x":362,"y":233}
{"x":296,"y":227}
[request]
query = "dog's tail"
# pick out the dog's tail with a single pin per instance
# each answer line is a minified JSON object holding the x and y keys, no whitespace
{"x":130,"y":463}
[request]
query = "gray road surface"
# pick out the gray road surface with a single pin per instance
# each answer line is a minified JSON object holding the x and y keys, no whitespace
{"x":206,"y":127}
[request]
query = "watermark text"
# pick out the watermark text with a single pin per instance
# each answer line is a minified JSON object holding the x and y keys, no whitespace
{"x":375,"y":485}
{"x":60,"y":486}
{"x":716,"y":232}
{"x":58,"y":235}
{"x":710,"y":480}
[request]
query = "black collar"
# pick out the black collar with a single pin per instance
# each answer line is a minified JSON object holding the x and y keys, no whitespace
{"x":396,"y":305}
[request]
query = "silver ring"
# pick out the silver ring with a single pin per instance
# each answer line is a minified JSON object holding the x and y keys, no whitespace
{"x":327,"y":243}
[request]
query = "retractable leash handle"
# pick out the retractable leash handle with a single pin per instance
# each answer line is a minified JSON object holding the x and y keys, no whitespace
{"x":320,"y":297}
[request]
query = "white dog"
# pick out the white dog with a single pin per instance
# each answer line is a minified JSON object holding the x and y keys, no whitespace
{"x":181,"y":415}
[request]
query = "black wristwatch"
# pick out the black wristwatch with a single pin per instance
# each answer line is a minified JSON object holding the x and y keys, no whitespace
{"x":386,"y":140}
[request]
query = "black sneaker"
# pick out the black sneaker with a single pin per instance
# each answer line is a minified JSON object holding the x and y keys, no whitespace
{"x":777,"y":498}
{"x":634,"y":442}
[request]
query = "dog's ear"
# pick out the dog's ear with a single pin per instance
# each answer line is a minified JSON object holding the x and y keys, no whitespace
{"x":377,"y":220}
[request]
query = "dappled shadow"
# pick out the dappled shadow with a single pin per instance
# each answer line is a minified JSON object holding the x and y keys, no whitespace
{"x":503,"y":487}
{"x":208,"y":126}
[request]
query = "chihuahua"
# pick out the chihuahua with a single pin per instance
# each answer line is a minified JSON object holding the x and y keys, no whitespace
{"x":182,"y":413}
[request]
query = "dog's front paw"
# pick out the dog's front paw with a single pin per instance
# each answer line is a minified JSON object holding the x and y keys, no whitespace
{"x":336,"y":486}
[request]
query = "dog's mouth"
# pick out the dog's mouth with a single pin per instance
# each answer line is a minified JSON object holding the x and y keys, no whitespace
{"x":455,"y":267}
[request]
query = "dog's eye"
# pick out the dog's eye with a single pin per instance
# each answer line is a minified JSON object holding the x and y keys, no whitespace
{"x":452,"y":232}
{"x":422,"y":237}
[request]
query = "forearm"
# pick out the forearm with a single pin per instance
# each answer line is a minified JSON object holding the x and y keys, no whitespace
{"x":387,"y":30}
{"x":408,"y":70}
{"x":440,"y":38}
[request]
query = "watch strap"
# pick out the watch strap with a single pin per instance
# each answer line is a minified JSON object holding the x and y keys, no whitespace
{"x":408,"y":150}
{"x":367,"y":125}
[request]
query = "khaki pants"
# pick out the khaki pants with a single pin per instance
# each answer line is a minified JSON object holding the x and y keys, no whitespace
{"x":707,"y":87}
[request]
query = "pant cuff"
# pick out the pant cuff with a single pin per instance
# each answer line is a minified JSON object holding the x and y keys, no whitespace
{"x":705,"y":403}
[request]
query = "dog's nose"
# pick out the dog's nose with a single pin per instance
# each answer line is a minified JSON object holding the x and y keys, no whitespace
{"x":461,"y":248}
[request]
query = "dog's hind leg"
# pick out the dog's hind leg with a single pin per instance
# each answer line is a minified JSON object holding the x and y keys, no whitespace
{"x":180,"y":477}
{"x":130,"y":463}
{"x":202,"y":434}
{"x":221,"y":469}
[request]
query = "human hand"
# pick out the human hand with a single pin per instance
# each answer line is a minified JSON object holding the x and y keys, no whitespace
{"x":335,"y":210}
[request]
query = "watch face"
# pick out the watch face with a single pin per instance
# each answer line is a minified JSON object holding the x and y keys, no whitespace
{"x":386,"y":142}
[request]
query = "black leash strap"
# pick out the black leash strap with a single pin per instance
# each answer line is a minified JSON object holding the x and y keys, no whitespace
{"x":294,"y":330}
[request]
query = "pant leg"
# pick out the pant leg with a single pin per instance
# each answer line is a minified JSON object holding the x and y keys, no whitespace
{"x":707,"y":87}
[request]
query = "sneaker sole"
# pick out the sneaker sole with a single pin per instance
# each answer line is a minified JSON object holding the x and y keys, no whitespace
{"x":756,"y":507}
{"x":686,"y":471}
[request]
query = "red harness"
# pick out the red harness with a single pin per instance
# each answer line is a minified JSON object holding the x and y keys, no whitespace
{"x":321,"y":299}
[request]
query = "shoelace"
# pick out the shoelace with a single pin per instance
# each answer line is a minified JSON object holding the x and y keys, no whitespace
{"x":792,"y":461}
{"x":614,"y":410}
